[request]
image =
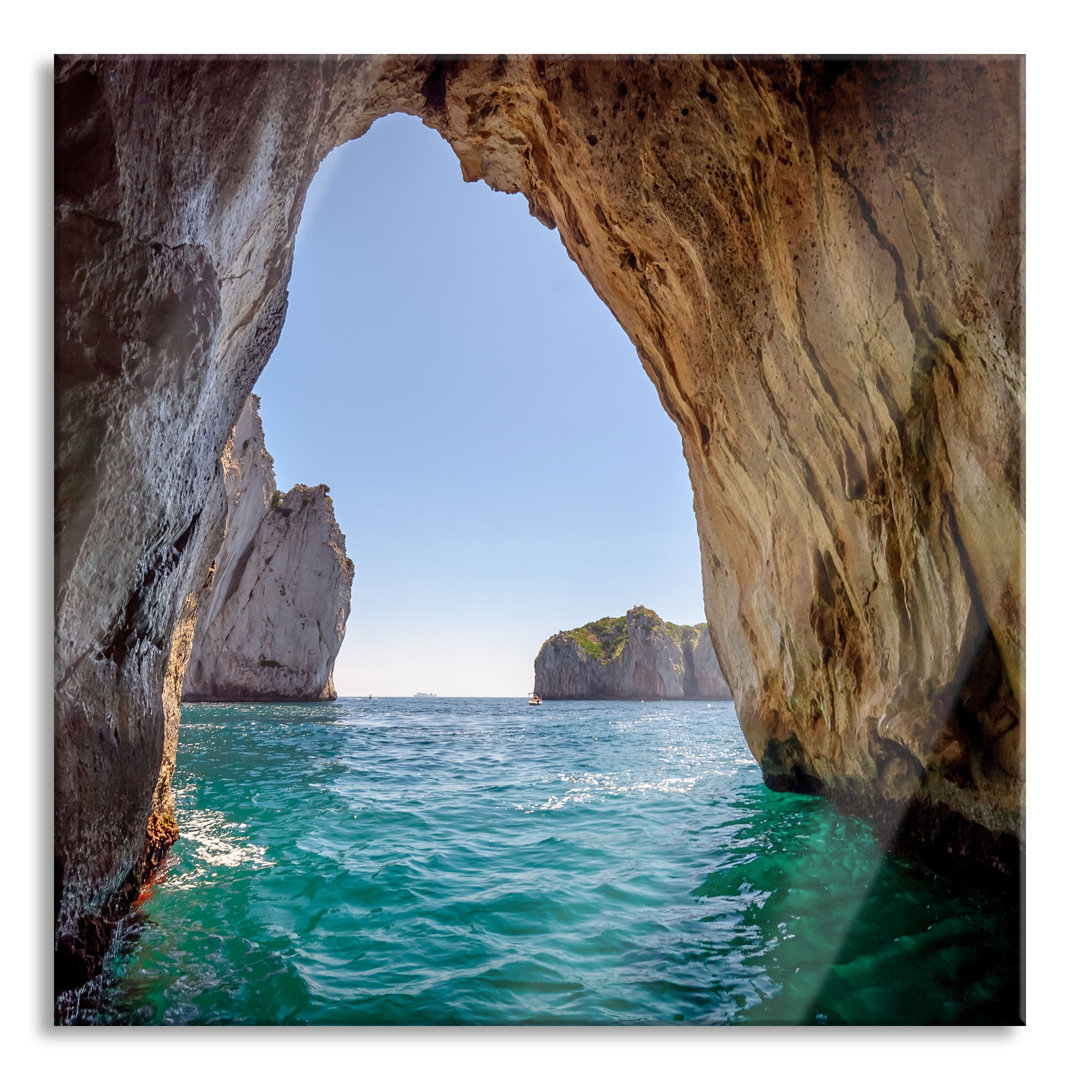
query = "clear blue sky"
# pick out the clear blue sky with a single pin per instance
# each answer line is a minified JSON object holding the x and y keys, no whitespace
{"x":499,"y":462}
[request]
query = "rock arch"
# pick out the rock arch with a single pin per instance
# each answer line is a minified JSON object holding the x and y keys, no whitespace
{"x":820,"y":265}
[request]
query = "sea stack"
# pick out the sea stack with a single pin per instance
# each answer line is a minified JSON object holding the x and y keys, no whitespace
{"x":274,"y":620}
{"x":632,"y":657}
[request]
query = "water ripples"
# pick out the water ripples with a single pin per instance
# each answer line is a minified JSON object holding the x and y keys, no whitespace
{"x":476,"y":862}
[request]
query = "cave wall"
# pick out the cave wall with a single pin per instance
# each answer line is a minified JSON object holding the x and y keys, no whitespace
{"x":821,"y":266}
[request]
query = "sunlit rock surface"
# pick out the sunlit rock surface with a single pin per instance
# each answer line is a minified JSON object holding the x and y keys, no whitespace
{"x":273,"y":623}
{"x":821,"y":266}
{"x":637,"y":656}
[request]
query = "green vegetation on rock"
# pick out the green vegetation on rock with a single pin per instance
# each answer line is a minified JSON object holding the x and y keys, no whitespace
{"x":606,"y":638}
{"x":603,"y":639}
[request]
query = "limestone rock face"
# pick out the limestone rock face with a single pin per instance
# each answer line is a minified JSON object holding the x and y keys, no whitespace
{"x":638,"y":656}
{"x":705,"y":667}
{"x":821,"y":265}
{"x":274,"y":621}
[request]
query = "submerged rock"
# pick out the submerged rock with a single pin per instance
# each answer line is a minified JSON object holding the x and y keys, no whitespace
{"x":636,"y":656}
{"x":274,"y":620}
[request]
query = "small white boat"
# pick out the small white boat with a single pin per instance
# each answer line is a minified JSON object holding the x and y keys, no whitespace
{"x":535,"y":699}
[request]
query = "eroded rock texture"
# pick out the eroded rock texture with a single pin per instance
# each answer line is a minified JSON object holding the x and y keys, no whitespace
{"x":273,"y":623}
{"x":638,"y":656}
{"x":820,"y":264}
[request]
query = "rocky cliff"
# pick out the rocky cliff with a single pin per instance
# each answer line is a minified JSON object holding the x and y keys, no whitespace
{"x":636,"y":656}
{"x":274,"y":619}
{"x":820,"y":263}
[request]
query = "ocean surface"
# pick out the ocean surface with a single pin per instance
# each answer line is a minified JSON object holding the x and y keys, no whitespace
{"x":478,"y":861}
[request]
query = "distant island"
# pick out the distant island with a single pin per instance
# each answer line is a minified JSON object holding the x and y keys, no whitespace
{"x":637,"y":655}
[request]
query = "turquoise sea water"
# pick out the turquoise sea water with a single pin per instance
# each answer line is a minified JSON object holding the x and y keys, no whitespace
{"x":478,"y":861}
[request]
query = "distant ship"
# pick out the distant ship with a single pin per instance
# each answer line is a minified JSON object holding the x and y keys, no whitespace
{"x":421,"y":694}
